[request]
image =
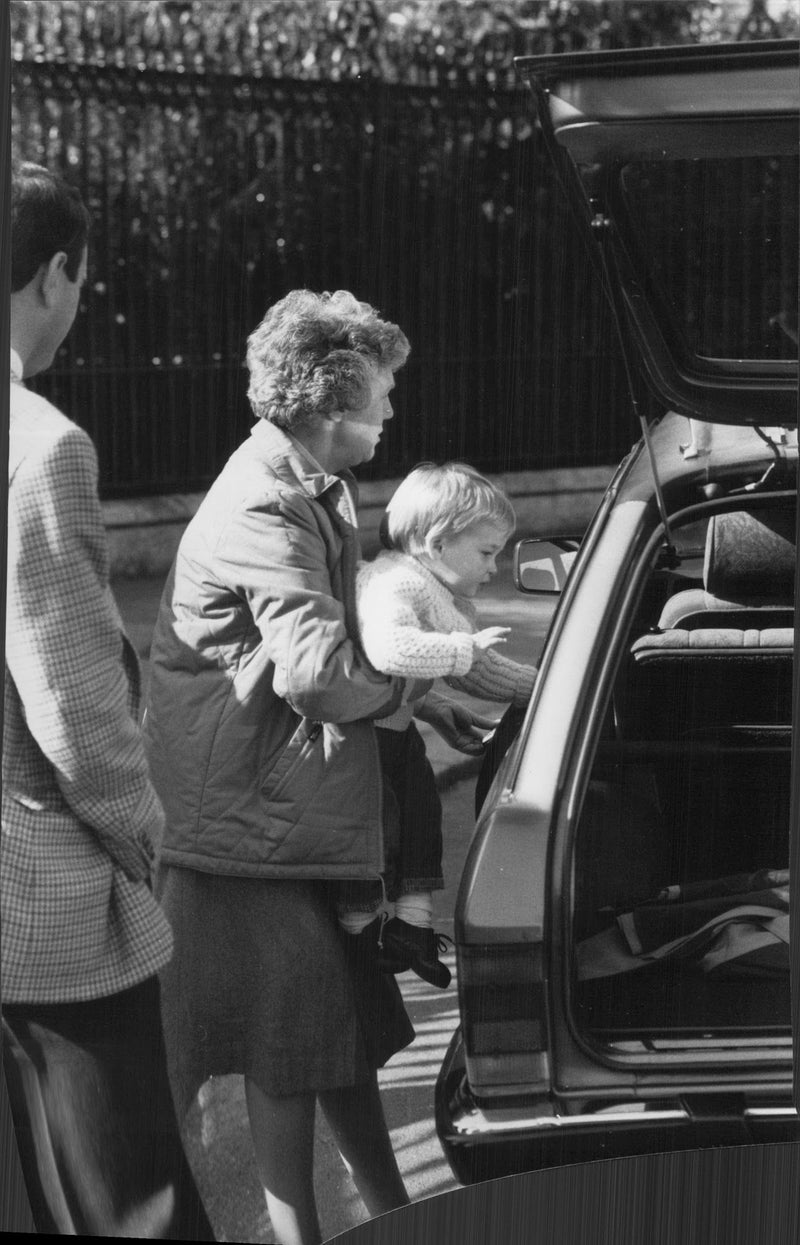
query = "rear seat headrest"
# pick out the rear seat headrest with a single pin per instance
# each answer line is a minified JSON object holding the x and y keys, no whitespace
{"x":750,"y":555}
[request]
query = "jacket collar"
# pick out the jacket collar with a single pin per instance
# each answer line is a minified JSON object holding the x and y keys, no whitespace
{"x":292,"y":462}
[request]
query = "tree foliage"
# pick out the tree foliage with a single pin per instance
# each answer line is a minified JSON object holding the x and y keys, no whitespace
{"x":409,"y":41}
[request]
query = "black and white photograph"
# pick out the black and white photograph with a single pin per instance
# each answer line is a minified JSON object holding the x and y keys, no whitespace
{"x":401,"y":527}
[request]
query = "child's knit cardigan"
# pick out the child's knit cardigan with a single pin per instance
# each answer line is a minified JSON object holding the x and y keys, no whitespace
{"x":413,"y":626}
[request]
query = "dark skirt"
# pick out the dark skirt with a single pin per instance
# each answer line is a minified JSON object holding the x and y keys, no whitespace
{"x":260,"y":984}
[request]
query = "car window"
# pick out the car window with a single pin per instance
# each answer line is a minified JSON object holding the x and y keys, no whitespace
{"x":720,"y":239}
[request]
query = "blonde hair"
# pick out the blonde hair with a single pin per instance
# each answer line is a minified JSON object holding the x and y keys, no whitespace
{"x":442,"y":501}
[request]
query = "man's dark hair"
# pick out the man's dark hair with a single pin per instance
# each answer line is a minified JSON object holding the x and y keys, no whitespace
{"x":47,"y":216}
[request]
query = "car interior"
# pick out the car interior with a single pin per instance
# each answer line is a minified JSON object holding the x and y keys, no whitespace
{"x":681,"y":851}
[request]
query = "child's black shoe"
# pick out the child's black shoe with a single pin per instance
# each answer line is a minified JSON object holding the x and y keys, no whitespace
{"x":366,"y":948}
{"x":416,"y":948}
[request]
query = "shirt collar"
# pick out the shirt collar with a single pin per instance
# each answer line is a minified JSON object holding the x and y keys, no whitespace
{"x":294,"y":461}
{"x":345,"y":479}
{"x":16,"y":367}
{"x":305,"y":453}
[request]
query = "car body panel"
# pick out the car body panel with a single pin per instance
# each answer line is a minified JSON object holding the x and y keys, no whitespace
{"x":671,"y":102}
{"x":482,"y":1144}
{"x":583,"y":1099}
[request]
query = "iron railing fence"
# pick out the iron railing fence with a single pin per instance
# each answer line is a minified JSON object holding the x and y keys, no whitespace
{"x":214,"y":195}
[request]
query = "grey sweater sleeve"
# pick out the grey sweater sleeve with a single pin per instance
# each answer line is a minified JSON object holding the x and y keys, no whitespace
{"x":495,"y":677}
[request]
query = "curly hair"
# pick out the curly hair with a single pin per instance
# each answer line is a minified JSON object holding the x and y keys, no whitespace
{"x":442,"y":501}
{"x":314,"y":353}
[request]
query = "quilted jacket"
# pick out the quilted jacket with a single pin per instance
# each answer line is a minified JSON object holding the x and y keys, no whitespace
{"x":259,"y":720}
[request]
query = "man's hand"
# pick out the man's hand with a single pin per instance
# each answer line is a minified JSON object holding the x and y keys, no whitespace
{"x":458,"y":726}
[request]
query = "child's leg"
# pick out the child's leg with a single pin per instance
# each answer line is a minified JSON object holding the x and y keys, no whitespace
{"x":416,"y":908}
{"x":354,"y":922}
{"x":407,"y":770}
{"x":418,"y":860}
{"x":357,"y":904}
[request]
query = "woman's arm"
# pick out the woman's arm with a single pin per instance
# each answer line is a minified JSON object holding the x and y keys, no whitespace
{"x":276,"y":557}
{"x":461,"y":727}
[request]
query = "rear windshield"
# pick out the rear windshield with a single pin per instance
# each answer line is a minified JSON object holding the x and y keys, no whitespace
{"x":720,"y":240}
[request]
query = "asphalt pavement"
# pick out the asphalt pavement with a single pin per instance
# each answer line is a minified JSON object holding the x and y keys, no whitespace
{"x":217,"y":1135}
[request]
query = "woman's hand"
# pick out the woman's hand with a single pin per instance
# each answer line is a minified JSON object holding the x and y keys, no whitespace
{"x":459,"y":726}
{"x":490,"y":636}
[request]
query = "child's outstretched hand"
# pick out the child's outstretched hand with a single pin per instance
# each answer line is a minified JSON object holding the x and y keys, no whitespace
{"x":490,"y":636}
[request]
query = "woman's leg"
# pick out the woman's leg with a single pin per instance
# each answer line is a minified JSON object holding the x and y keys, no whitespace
{"x":282,"y":1129}
{"x":355,"y":1114}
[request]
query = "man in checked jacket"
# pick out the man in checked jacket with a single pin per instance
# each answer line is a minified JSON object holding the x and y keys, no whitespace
{"x":82,"y":936}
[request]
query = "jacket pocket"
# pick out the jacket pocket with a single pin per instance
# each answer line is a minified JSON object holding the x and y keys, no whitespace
{"x":296,"y":757}
{"x":48,"y":802}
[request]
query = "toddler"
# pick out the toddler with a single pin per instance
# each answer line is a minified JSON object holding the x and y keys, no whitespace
{"x":444,"y":528}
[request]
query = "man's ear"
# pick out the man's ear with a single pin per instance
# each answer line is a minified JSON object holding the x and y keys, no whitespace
{"x":50,"y":277}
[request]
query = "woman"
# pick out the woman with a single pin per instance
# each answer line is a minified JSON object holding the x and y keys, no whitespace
{"x":261,"y":744}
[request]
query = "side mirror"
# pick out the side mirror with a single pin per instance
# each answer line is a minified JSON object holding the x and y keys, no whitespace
{"x":543,"y":565}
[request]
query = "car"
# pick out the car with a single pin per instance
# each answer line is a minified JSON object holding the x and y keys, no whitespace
{"x":621,"y":922}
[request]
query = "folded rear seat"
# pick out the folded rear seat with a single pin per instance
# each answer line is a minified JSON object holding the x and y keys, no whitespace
{"x":696,"y":675}
{"x":692,"y":684}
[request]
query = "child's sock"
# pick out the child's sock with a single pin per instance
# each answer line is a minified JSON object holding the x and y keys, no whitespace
{"x":355,"y":922}
{"x":416,"y":909}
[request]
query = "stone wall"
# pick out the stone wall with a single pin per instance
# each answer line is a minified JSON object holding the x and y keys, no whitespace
{"x":144,"y":533}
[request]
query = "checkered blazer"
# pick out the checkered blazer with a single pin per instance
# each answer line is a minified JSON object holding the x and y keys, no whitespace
{"x":80,"y":818}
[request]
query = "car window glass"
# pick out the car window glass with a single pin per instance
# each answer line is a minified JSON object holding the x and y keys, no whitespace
{"x":720,"y":238}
